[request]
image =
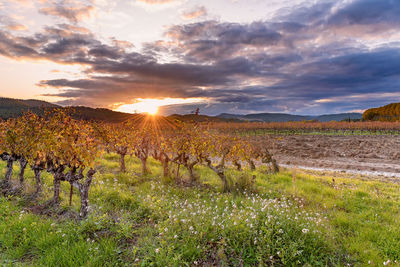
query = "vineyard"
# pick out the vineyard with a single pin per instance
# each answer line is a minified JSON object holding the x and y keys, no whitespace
{"x":311,"y":128}
{"x":67,"y":149}
{"x":152,"y":191}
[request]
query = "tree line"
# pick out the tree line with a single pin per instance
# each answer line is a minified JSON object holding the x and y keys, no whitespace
{"x":389,"y":112}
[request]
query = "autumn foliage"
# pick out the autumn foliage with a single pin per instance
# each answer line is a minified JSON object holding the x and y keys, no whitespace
{"x":67,"y":149}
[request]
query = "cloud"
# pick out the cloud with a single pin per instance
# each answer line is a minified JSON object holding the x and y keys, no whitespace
{"x":156,"y":2}
{"x":287,"y":64}
{"x":71,"y":10}
{"x":211,"y":40}
{"x":367,"y":12}
{"x":11,"y":24}
{"x":157,"y":5}
{"x":197,"y":12}
{"x":346,"y":18}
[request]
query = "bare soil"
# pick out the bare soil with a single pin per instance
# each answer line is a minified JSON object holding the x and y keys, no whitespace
{"x":375,"y":155}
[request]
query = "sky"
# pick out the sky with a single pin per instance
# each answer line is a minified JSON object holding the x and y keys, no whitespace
{"x":221,"y":56}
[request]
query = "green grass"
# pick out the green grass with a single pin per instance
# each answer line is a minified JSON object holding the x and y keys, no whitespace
{"x":286,"y":220}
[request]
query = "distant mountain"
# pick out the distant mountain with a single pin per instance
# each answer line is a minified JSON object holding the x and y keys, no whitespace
{"x":390,"y":112}
{"x":283,"y":117}
{"x":339,"y":117}
{"x":10,"y":108}
{"x":266,"y":117}
{"x":200,"y":118}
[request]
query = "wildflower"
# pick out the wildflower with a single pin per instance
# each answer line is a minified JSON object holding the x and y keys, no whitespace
{"x":157,"y":250}
{"x":305,"y":231}
{"x":280,"y":231}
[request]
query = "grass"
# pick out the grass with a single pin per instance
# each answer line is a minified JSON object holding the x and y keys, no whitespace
{"x":289,"y":218}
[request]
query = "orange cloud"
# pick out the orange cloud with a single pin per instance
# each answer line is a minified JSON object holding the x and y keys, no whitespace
{"x":17,"y":27}
{"x":156,"y":2}
{"x":195,"y":13}
{"x":71,"y":11}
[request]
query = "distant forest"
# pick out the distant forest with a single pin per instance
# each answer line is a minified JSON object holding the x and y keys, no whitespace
{"x":389,"y":112}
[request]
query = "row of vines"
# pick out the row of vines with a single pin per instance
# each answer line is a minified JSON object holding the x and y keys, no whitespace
{"x":360,"y":127}
{"x":67,"y":149}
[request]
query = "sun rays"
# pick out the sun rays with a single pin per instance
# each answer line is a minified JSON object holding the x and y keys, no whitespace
{"x":152,"y":105}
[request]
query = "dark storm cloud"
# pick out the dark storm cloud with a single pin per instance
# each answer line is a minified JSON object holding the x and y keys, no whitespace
{"x":256,"y":33}
{"x":291,"y":64}
{"x":367,"y":12}
{"x":306,"y":13}
{"x":210,"y":40}
{"x":379,"y":15}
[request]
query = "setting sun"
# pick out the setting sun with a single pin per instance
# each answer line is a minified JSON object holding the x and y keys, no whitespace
{"x":151,"y":106}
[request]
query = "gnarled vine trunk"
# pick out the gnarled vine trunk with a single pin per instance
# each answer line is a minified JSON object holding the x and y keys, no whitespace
{"x":220,"y":171}
{"x":84,"y":193}
{"x":58,"y":176}
{"x":22,"y":163}
{"x":38,"y":180}
{"x":252,"y":165}
{"x":192,"y":174}
{"x":275,"y":166}
{"x":165,"y":165}
{"x":122,"y":162}
{"x":177,"y":171}
{"x":238,"y":165}
{"x":144,"y":165}
{"x":56,"y":191}
{"x":6,"y":185}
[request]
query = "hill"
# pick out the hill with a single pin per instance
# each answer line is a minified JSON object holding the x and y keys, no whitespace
{"x":10,"y":108}
{"x":339,"y":117}
{"x":283,"y":117}
{"x":101,"y":114}
{"x":200,"y":118}
{"x":390,"y":112}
